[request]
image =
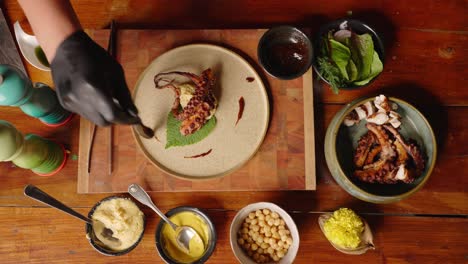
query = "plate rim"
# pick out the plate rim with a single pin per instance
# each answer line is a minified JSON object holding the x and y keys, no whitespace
{"x":214,"y":176}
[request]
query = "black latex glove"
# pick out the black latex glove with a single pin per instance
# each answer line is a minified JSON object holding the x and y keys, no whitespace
{"x":91,"y":83}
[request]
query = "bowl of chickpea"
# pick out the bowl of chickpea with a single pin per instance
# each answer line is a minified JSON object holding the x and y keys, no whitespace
{"x":264,"y":233}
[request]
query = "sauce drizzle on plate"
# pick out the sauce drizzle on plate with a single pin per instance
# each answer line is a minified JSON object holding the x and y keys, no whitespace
{"x":241,"y":109}
{"x":199,"y":155}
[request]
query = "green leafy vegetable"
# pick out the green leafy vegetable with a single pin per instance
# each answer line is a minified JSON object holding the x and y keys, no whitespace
{"x":175,"y":138}
{"x":362,"y":49}
{"x":340,"y":55}
{"x":376,"y":68}
{"x":350,"y":61}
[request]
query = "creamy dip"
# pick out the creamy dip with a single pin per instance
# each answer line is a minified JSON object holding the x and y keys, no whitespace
{"x":123,"y":217}
{"x":197,"y":247}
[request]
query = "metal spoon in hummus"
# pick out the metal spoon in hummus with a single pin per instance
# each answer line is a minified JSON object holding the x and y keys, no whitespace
{"x":39,"y":195}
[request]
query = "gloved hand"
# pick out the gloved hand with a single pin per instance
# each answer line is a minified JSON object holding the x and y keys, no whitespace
{"x":91,"y":83}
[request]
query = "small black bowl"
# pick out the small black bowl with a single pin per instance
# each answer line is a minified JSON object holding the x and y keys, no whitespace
{"x":211,"y":241}
{"x":359,"y":28}
{"x":285,"y":52}
{"x":94,"y":241}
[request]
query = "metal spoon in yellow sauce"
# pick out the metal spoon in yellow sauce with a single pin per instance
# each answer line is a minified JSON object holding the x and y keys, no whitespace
{"x":197,"y":247}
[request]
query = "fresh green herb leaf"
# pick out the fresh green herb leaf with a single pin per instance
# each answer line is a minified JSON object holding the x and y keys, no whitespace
{"x":175,"y":138}
{"x":331,"y":73}
{"x":376,"y":68}
{"x":340,"y":54}
{"x":352,"y":71}
{"x":362,"y":51}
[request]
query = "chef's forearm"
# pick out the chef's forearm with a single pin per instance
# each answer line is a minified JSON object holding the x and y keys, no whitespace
{"x":52,"y":21}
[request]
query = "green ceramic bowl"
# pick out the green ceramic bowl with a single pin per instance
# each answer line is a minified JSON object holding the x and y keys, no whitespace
{"x":341,"y":141}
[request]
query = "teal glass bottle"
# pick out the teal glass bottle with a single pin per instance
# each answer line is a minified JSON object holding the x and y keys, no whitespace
{"x":40,"y":101}
{"x":44,"y":157}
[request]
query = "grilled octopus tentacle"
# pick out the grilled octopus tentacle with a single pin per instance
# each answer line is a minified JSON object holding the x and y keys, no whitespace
{"x":199,"y":107}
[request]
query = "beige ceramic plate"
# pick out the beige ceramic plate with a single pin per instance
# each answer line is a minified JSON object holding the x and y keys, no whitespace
{"x":232,"y":145}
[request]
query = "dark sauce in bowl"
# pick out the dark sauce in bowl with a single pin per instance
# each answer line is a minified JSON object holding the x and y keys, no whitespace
{"x":288,"y":58}
{"x":285,"y":52}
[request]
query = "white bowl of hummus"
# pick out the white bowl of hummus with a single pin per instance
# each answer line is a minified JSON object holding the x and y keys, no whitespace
{"x":123,"y":217}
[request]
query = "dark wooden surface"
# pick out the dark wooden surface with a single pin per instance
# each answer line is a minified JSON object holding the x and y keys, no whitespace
{"x":426,"y":64}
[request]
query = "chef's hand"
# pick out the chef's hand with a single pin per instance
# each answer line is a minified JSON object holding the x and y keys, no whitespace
{"x":91,"y":83}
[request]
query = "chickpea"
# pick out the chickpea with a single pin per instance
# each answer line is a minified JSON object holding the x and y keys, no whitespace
{"x":258,"y":212}
{"x":260,"y":250}
{"x":275,"y":215}
{"x":277,"y":222}
{"x":252,"y":215}
{"x":264,"y":246}
{"x":260,"y":239}
{"x":271,"y":222}
{"x":254,"y":247}
{"x":280,"y":254}
{"x":240,"y":241}
{"x":255,"y":228}
{"x":245,"y":236}
{"x":266,"y":211}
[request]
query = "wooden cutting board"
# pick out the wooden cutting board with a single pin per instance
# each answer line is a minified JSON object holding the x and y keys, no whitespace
{"x":285,"y":160}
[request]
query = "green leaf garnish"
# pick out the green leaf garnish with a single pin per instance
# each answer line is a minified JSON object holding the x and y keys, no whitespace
{"x":340,"y":55}
{"x":175,"y":138}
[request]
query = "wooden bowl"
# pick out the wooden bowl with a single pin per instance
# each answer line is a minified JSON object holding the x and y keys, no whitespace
{"x":341,"y":141}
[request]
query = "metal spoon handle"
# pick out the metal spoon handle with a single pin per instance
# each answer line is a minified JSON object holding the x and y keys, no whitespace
{"x":38,"y":195}
{"x":138,"y":193}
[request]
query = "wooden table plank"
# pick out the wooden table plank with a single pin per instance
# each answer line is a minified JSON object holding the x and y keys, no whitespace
{"x":440,"y":195}
{"x":37,"y":235}
{"x":431,"y":14}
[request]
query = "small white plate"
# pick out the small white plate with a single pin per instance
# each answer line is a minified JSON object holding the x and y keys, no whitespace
{"x":28,"y":44}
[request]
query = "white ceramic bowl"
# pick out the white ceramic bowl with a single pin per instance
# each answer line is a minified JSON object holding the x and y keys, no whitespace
{"x":239,"y":219}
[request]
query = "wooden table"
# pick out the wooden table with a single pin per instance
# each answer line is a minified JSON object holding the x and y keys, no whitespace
{"x":425,"y":64}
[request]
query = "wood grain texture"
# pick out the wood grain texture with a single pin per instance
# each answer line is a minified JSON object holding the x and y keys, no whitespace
{"x":446,"y":192}
{"x":40,"y":235}
{"x":429,"y":70}
{"x":279,"y":164}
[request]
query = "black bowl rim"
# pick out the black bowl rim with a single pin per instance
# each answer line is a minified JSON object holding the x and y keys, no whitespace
{"x":209,"y":251}
{"x":375,"y":36}
{"x":342,"y":179}
{"x":89,"y":229}
{"x":309,"y":44}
